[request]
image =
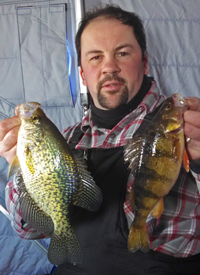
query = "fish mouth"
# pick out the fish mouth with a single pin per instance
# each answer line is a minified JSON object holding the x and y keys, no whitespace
{"x":175,"y":131}
{"x":180,"y":101}
{"x":26,"y":110}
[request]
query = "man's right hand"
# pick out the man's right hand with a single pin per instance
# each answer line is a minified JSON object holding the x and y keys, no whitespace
{"x":8,"y":137}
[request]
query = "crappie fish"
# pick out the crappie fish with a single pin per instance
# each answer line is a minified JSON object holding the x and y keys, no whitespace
{"x":53,"y":180}
{"x":155,"y":157}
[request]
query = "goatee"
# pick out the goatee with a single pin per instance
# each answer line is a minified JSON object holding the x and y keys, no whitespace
{"x":120,"y":99}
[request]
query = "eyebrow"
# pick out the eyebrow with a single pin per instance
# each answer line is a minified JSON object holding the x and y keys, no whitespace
{"x":116,"y":49}
{"x":124,"y":46}
{"x":93,"y":51}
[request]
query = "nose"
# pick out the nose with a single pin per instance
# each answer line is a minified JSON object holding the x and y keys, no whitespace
{"x":110,"y":65}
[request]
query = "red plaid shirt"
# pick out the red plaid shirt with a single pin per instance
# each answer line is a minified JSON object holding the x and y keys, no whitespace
{"x":177,"y":231}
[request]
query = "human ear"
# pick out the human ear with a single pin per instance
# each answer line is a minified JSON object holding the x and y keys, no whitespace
{"x":82,"y":76}
{"x":146,"y":65}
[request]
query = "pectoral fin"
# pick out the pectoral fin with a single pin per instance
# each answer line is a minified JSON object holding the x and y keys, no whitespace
{"x":30,"y":162}
{"x":14,"y":167}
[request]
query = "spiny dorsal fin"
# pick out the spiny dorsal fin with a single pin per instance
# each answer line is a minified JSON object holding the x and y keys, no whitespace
{"x":132,"y":152}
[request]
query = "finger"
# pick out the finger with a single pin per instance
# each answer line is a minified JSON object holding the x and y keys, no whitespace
{"x":191,"y":147}
{"x":8,"y":124}
{"x":10,"y":154}
{"x":192,"y":117}
{"x":191,"y":131}
{"x":194,"y":103}
{"x":8,"y":144}
{"x":16,"y":110}
{"x":10,"y":138}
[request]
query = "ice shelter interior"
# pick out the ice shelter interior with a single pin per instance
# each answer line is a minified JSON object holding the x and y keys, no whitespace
{"x":38,"y":63}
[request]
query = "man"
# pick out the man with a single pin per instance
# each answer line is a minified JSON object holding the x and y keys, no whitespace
{"x":111,"y":49}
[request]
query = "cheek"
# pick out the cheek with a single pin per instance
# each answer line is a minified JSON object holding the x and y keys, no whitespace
{"x":134,"y":70}
{"x":91,"y":78}
{"x":130,"y":72}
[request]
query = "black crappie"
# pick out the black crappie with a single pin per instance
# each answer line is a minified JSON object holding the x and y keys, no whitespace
{"x":53,"y":180}
{"x":155,"y":156}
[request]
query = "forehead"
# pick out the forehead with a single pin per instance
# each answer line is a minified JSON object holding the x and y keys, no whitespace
{"x":104,"y":31}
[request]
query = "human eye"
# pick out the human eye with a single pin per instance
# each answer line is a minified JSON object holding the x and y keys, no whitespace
{"x":122,"y":54}
{"x":96,"y":57}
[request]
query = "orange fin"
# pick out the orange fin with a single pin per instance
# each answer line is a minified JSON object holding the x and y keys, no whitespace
{"x":186,"y":161}
{"x":138,"y":239}
{"x":158,"y":209}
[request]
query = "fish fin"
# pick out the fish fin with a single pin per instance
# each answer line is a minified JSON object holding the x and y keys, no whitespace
{"x":138,"y":239}
{"x":65,"y":248}
{"x":132,"y":200}
{"x":30,"y":162}
{"x":33,"y":214}
{"x":132,"y":152}
{"x":14,"y":167}
{"x":88,"y":194}
{"x":186,"y":161}
{"x":158,"y":209}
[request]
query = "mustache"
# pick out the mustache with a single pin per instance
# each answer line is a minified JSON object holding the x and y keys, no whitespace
{"x":110,"y":78}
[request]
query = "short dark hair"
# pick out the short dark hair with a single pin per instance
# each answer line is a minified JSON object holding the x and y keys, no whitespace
{"x":113,"y":12}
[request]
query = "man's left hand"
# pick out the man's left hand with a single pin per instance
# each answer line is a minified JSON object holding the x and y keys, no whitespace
{"x":192,"y":128}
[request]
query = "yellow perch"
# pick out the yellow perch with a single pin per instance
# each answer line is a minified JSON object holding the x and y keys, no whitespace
{"x":155,"y":157}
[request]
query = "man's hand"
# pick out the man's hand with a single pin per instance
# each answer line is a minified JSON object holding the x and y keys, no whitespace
{"x":192,"y":128}
{"x":8,"y":137}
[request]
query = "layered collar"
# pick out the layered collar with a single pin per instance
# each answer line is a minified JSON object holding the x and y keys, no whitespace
{"x":146,"y":101}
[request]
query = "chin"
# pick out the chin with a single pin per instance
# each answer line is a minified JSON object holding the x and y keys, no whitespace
{"x":109,"y":104}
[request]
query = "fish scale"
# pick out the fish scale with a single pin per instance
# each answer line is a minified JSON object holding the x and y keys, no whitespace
{"x":53,"y":180}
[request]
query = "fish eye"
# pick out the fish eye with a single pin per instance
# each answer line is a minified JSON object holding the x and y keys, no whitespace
{"x":168,"y":107}
{"x":35,"y":119}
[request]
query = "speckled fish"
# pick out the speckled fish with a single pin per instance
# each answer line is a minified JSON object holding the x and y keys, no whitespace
{"x":155,"y":157}
{"x":53,"y":180}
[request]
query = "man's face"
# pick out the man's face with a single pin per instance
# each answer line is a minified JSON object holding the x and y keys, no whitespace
{"x":111,"y":62}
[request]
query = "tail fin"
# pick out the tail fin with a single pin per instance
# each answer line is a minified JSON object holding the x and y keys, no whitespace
{"x":65,"y":248}
{"x":138,"y":239}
